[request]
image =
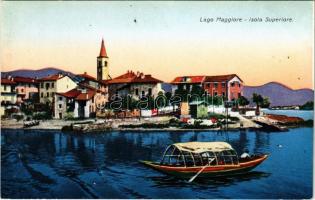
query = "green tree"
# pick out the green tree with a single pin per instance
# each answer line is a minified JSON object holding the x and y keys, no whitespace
{"x":265,"y":103}
{"x":182,"y":93}
{"x":258,"y":99}
{"x":307,"y":106}
{"x":242,"y":101}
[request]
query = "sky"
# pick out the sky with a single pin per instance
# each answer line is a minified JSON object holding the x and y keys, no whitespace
{"x":167,"y":39}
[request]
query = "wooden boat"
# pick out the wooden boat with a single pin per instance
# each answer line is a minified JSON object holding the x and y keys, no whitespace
{"x":204,"y":159}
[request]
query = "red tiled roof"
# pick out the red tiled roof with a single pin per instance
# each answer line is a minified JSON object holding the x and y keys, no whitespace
{"x":220,"y":78}
{"x":79,"y":95}
{"x":19,"y":79}
{"x":86,"y":96}
{"x":201,"y":79}
{"x":188,"y":79}
{"x":52,"y":77}
{"x":131,"y":77}
{"x":70,"y":94}
{"x":5,"y":81}
{"x":103,"y":50}
{"x":86,"y":76}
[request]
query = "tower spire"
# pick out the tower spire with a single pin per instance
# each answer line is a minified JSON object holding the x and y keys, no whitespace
{"x":103,"y":50}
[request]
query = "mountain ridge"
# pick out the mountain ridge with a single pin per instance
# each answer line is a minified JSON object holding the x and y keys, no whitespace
{"x":279,"y":94}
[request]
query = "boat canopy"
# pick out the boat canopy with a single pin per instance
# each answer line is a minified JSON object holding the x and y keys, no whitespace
{"x":190,"y":154}
{"x":199,"y":147}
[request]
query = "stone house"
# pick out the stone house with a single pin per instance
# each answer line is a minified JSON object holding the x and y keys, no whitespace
{"x":82,"y":102}
{"x":26,"y":89}
{"x":135,"y":84}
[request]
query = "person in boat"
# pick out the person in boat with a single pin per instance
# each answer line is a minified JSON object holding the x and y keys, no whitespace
{"x":245,"y":154}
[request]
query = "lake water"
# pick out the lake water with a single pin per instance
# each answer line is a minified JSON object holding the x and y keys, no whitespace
{"x":51,"y":164}
{"x":304,"y":114}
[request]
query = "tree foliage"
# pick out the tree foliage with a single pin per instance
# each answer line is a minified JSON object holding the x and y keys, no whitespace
{"x":242,"y":101}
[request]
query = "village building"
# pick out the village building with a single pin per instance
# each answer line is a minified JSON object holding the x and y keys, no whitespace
{"x":26,"y":89}
{"x":82,"y":102}
{"x":91,"y":81}
{"x":228,"y":86}
{"x":137,"y":85}
{"x":50,"y":85}
{"x":8,"y":94}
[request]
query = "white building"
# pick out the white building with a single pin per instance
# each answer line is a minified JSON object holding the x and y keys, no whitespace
{"x":50,"y":85}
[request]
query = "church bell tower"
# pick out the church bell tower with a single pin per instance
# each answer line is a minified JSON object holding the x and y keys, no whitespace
{"x":102,"y":64}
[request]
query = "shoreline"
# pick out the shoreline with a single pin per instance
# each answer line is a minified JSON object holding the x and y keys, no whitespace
{"x":268,"y":123}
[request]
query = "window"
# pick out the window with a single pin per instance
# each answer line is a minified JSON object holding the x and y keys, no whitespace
{"x":239,"y":95}
{"x":52,"y":85}
{"x":22,"y":90}
{"x":47,"y":94}
{"x":60,"y":98}
{"x":142,"y":93}
{"x":223,"y":84}
{"x":41,"y":94}
{"x":215,"y":85}
{"x":150,"y":91}
{"x":208,"y":85}
{"x":223,"y":94}
{"x":99,"y":63}
{"x":215,"y":93}
{"x":105,"y":63}
{"x":232,"y":84}
{"x":41,"y":85}
{"x":17,"y":90}
{"x":52,"y":94}
{"x":60,"y":105}
{"x":137,"y":91}
{"x":47,"y":86}
{"x":5,"y":87}
{"x":239,"y":84}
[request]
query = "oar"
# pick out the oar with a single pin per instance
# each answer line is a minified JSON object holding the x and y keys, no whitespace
{"x":203,"y":168}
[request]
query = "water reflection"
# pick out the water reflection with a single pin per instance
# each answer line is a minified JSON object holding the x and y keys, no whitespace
{"x":106,"y":165}
{"x":214,"y":182}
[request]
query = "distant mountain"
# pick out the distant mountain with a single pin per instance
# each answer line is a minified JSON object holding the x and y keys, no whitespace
{"x":279,"y":94}
{"x":35,"y":73}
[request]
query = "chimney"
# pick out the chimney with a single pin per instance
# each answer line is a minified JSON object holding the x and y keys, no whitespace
{"x":85,"y":73}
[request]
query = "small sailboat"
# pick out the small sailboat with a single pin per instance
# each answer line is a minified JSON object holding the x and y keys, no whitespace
{"x":203,"y":159}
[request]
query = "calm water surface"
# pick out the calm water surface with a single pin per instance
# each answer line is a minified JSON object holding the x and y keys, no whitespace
{"x":304,"y":114}
{"x":43,"y":164}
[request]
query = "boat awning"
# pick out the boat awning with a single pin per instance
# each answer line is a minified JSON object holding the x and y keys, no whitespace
{"x":199,"y":147}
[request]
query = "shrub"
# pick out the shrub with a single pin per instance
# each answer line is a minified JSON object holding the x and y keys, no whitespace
{"x":42,"y":116}
{"x":18,"y":117}
{"x":69,"y":116}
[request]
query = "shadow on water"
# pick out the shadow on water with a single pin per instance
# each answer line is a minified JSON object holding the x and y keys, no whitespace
{"x":213,"y":182}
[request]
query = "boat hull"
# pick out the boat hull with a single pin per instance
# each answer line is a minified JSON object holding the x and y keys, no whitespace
{"x":209,"y":171}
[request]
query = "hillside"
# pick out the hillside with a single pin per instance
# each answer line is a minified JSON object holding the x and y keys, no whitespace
{"x":279,"y":94}
{"x":35,"y":73}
